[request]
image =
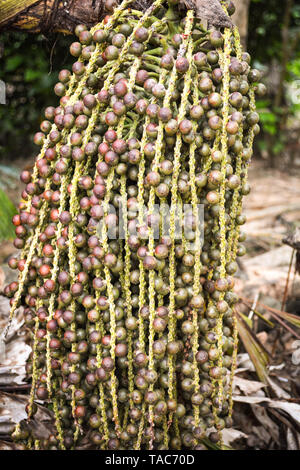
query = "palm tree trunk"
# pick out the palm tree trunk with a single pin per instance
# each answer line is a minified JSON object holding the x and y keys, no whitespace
{"x":286,"y":51}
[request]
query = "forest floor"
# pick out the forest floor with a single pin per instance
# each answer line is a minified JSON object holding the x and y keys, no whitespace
{"x":266,"y":416}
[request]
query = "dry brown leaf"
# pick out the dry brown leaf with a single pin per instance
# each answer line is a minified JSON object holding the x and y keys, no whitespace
{"x":248,"y":387}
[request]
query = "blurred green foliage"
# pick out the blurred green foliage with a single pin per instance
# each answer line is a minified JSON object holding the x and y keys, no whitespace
{"x":29,"y":68}
{"x":7,"y":211}
{"x":265,"y":44}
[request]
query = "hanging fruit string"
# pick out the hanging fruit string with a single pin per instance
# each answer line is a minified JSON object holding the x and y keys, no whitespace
{"x":80,"y":167}
{"x":100,"y":327}
{"x":29,"y":443}
{"x":208,"y":162}
{"x":206,"y":168}
{"x":58,"y":425}
{"x":123,"y":52}
{"x":36,"y":444}
{"x":108,"y":189}
{"x":16,"y":432}
{"x":35,"y":368}
{"x":233,"y":232}
{"x":125,"y":285}
{"x":176,"y":169}
{"x":39,"y":305}
{"x":151,"y":292}
{"x":110,"y":295}
{"x":106,"y":26}
{"x":236,"y":232}
{"x":32,"y":243}
{"x":29,"y":249}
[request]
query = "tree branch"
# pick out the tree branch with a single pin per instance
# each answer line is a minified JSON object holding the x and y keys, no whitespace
{"x":63,"y":15}
{"x":51,"y":15}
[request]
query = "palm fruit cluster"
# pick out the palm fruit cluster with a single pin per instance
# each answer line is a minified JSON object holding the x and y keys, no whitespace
{"x":134,"y":338}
